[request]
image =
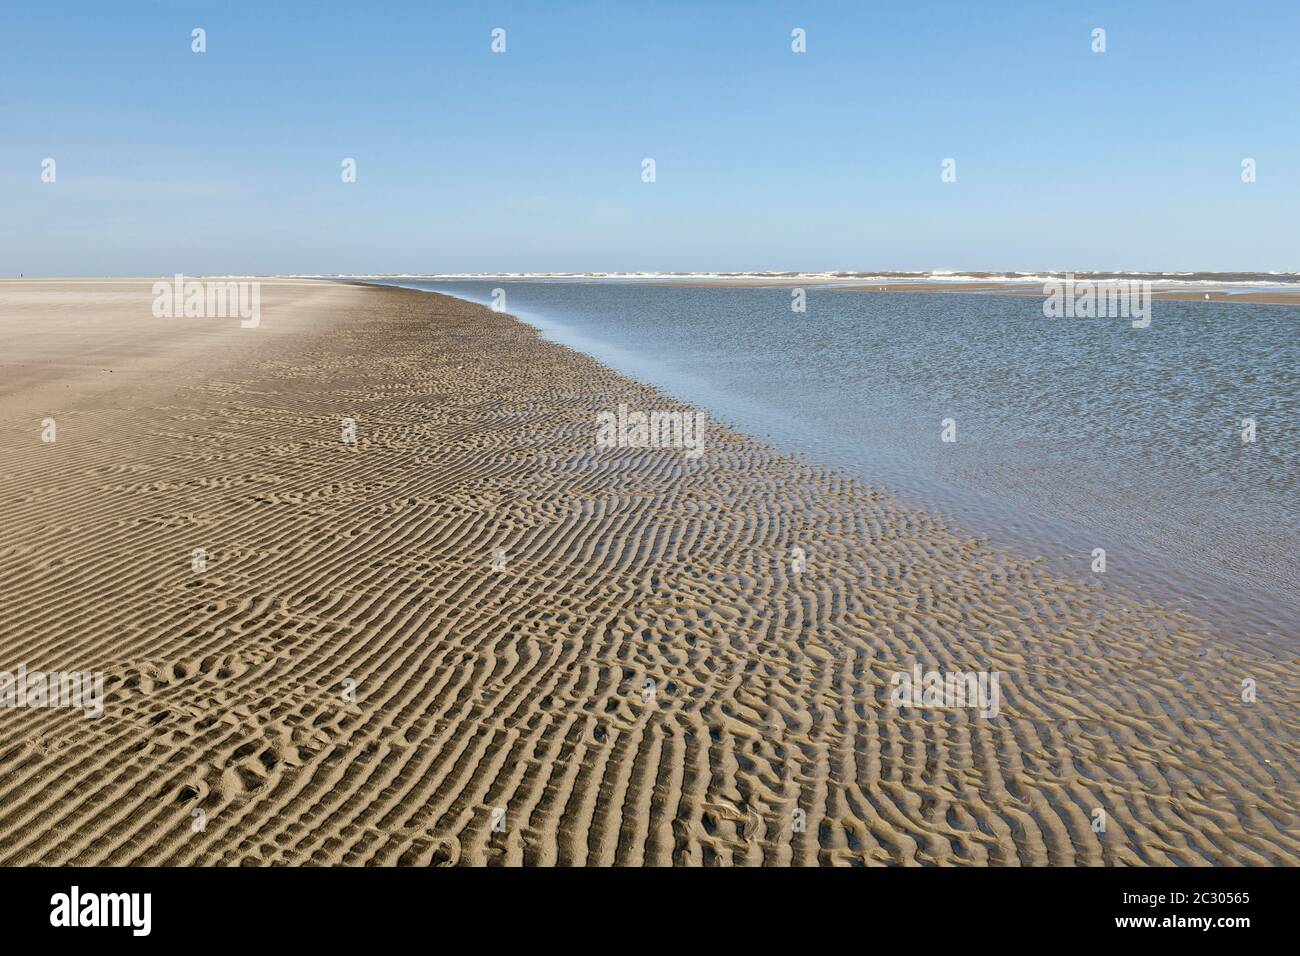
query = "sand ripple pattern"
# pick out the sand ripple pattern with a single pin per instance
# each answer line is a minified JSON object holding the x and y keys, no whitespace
{"x":499,"y":716}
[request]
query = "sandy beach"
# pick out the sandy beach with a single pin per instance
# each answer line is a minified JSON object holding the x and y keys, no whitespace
{"x":474,"y":636}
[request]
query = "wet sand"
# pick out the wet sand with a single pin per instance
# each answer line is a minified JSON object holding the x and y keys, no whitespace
{"x":357,"y":675}
{"x":1280,"y":297}
{"x":956,"y":287}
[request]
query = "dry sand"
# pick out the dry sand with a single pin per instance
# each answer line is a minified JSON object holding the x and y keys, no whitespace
{"x":523,"y":690}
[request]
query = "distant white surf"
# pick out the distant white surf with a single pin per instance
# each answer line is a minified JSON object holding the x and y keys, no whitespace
{"x":1162,"y":279}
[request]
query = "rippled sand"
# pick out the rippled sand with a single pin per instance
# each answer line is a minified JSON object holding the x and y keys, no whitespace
{"x":350,"y":681}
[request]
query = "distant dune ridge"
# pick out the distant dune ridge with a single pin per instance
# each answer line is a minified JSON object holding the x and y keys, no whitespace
{"x":472,"y":635}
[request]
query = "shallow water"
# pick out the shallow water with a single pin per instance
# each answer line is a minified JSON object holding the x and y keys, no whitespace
{"x":1072,"y":434}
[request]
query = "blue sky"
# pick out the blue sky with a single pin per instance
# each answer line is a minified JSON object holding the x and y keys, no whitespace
{"x":229,"y":161}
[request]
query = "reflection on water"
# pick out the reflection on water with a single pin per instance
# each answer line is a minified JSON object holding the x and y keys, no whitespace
{"x":1072,"y":434}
